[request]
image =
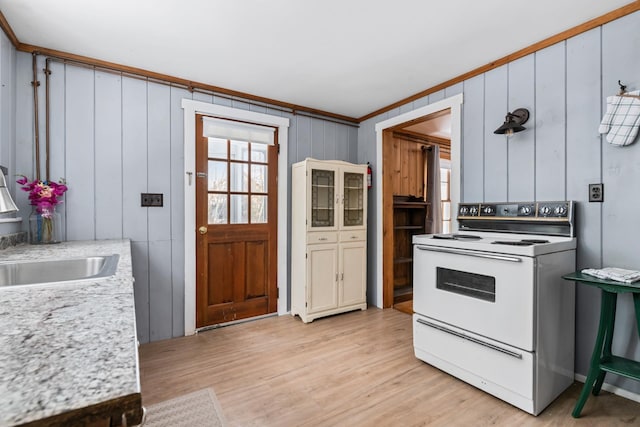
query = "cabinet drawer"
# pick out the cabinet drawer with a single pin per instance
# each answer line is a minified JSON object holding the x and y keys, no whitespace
{"x":322,"y":237}
{"x":353,"y":236}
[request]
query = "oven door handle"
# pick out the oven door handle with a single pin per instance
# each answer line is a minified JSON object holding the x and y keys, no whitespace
{"x":474,"y":254}
{"x":472,"y":339}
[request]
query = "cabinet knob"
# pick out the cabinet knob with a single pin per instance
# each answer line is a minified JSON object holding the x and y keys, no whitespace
{"x":203,"y":230}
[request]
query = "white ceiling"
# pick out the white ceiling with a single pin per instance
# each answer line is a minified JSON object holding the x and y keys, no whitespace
{"x":348,"y":57}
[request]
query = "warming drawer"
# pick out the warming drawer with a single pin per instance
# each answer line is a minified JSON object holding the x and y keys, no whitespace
{"x":503,"y":371}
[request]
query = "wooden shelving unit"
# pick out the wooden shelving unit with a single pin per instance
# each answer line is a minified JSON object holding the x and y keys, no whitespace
{"x":411,"y":216}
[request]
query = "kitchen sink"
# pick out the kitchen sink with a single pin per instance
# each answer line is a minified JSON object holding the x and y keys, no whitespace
{"x":28,"y":272}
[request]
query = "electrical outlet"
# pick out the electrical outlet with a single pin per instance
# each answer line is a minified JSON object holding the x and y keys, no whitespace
{"x":151,"y":199}
{"x":596,"y":193}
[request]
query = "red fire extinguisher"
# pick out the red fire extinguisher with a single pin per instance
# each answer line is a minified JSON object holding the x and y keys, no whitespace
{"x":368,"y":175}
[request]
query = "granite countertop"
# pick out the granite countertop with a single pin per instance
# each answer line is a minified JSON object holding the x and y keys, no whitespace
{"x":70,"y":345}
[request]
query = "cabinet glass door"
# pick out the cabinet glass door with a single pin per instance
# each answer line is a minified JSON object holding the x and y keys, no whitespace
{"x":322,"y":196}
{"x":353,"y":214}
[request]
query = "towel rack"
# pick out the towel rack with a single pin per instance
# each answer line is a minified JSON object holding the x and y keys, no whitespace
{"x":623,"y":91}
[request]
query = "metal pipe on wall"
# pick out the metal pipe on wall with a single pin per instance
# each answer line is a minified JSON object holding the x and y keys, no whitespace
{"x":47,"y":73}
{"x":35,"y":83}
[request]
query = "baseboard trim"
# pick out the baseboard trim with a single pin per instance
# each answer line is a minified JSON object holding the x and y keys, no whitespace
{"x":612,"y":389}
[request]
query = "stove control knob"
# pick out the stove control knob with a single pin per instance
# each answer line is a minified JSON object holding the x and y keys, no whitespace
{"x":487,"y":210}
{"x":525,"y":210}
{"x":560,"y":210}
{"x":474,"y":211}
{"x":464,"y":210}
{"x":545,"y":210}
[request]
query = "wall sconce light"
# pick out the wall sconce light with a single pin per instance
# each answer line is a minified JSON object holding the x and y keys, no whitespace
{"x":513,"y":122}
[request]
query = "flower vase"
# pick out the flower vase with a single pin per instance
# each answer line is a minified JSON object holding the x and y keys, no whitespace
{"x":45,"y":226}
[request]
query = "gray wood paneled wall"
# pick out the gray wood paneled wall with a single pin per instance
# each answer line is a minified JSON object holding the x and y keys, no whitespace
{"x":114,"y":137}
{"x":7,"y":110}
{"x":564,"y":87}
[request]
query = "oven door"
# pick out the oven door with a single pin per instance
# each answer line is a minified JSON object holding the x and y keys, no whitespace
{"x":489,"y":294}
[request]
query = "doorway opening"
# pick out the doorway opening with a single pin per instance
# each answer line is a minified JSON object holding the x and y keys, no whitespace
{"x":384,"y":246}
{"x":191,"y":108}
{"x":411,"y":152}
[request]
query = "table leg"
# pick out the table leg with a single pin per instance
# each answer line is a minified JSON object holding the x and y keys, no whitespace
{"x":607,"y":302}
{"x":606,"y":350}
{"x":636,"y":303}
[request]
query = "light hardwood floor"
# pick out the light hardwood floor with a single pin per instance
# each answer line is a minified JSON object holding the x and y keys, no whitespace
{"x":353,"y":369}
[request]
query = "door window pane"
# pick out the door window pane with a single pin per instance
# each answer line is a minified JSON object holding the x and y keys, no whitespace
{"x":259,"y":153}
{"x":239,"y":177}
{"x":239,"y":209}
{"x":258,"y":209}
{"x":239,"y":150}
{"x":217,"y":209}
{"x":217,"y":148}
{"x":259,"y":178}
{"x":217,"y":176}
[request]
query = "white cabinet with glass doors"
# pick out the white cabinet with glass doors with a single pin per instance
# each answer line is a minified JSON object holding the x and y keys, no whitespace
{"x":328,"y":238}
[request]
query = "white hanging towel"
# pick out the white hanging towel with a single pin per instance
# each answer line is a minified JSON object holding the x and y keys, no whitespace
{"x":613,"y":273}
{"x":622,"y":119}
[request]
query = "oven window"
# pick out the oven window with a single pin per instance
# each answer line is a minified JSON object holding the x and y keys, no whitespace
{"x":468,"y":284}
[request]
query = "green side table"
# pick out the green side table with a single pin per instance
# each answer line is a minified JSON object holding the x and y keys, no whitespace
{"x":602,"y":361}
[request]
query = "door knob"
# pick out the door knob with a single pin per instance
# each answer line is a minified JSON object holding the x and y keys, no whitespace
{"x":203,"y":230}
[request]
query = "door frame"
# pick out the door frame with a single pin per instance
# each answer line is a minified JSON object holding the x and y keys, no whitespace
{"x":191,"y":108}
{"x":455,"y":104}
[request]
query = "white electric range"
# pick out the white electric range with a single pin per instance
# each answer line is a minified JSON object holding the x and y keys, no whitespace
{"x":490,"y":304}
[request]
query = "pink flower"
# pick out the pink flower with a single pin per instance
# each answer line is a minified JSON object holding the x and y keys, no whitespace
{"x":43,"y":194}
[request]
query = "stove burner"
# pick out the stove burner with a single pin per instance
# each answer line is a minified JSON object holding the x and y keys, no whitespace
{"x":456,"y":237}
{"x":535,"y":241}
{"x":513,"y":242}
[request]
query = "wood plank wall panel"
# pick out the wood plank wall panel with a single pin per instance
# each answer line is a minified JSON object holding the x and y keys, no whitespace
{"x":436,"y":96}
{"x":160,"y":290}
{"x":584,"y":112}
{"x":570,"y":82}
{"x":159,"y":158}
{"x":472,"y":157}
{"x":454,"y":90}
{"x":329,"y":139}
{"x":159,"y":219}
{"x":80,"y":153}
{"x":57,"y":139}
{"x":7,"y":103}
{"x":621,"y":175}
{"x":521,"y":146}
{"x":353,"y":147}
{"x":176,"y":201}
{"x":134,"y":158}
{"x":342,"y":142}
{"x":495,"y":146}
{"x":304,"y":134}
{"x":108,"y":149}
{"x":317,"y":139}
{"x":134,"y":218}
{"x":550,"y":123}
{"x":24,"y":132}
{"x":140,"y":268}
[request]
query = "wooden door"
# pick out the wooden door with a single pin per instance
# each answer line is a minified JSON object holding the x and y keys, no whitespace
{"x":236,"y":219}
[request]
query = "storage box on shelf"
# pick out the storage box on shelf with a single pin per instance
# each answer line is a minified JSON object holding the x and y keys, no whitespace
{"x":328,"y":238}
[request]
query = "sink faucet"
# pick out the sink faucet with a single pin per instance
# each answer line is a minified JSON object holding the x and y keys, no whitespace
{"x":6,"y":202}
